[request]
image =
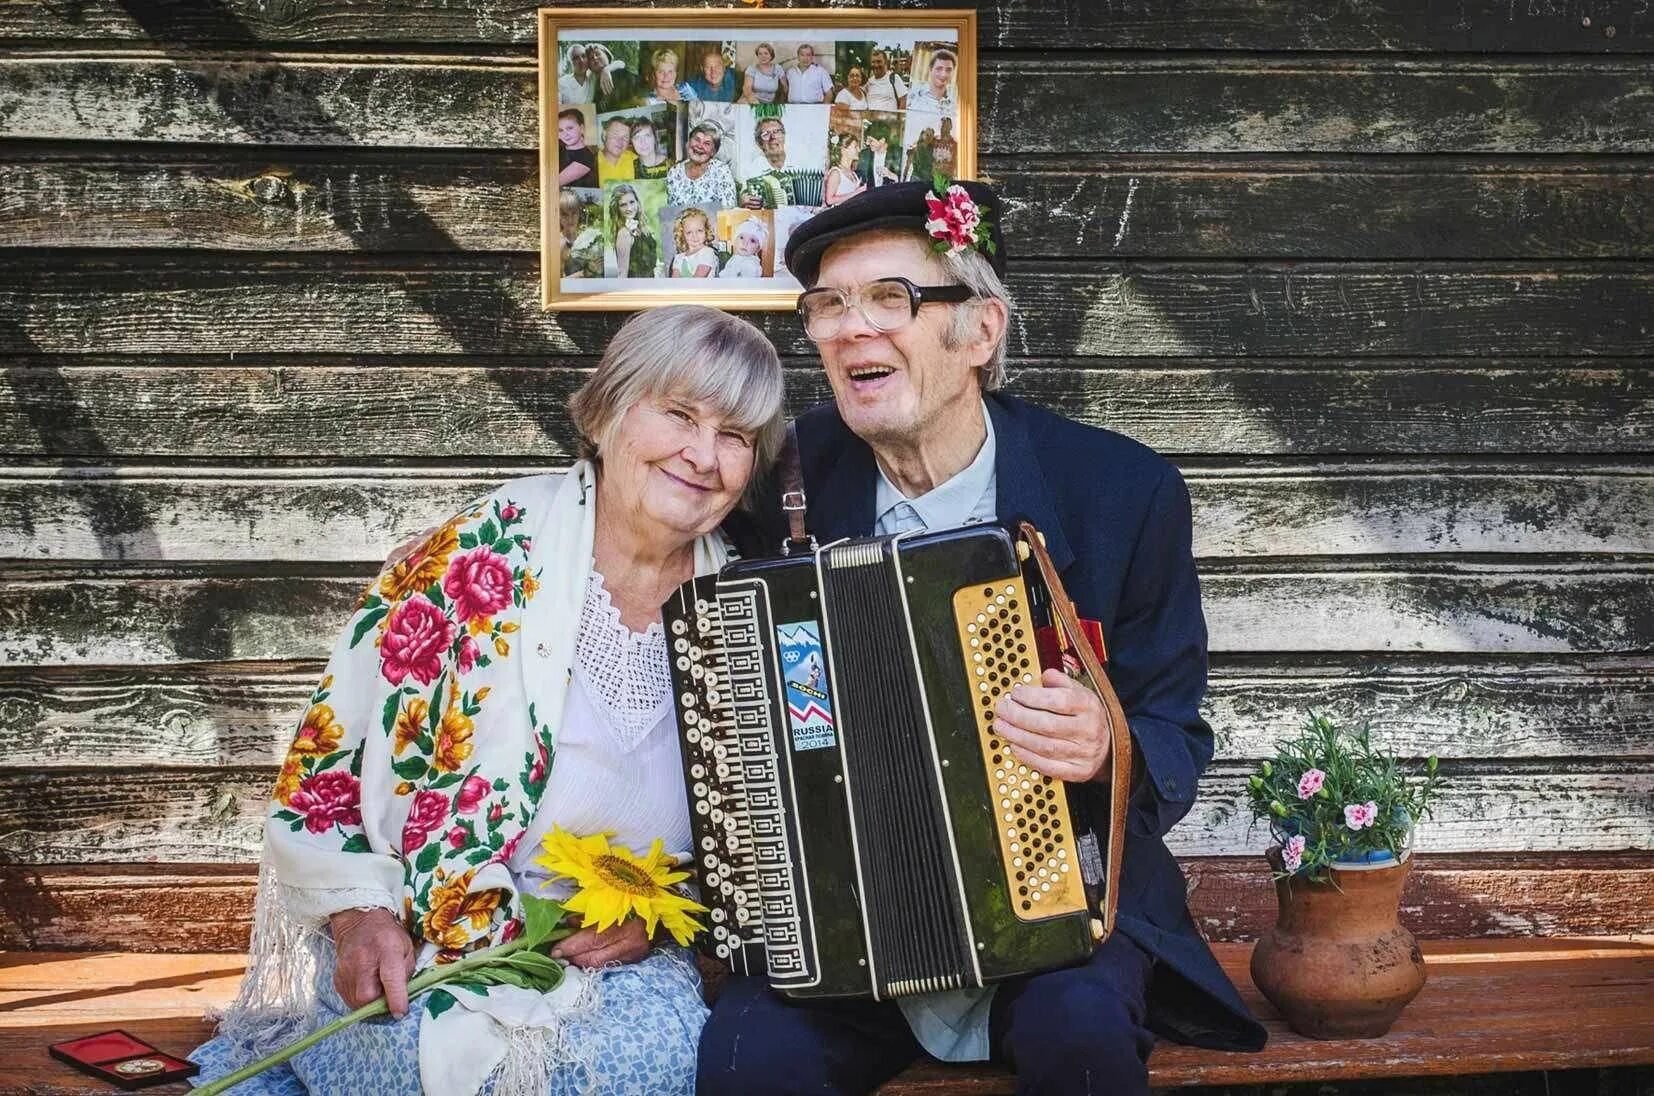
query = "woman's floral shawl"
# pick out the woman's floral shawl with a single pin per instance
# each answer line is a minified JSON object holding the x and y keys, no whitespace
{"x":421,"y":759}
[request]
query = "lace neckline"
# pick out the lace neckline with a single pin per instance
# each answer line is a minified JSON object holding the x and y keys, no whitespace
{"x":625,"y":673}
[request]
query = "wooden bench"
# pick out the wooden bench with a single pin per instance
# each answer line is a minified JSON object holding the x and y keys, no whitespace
{"x":1491,"y":1004}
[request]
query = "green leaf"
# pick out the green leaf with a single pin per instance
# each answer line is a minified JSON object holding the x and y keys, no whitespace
{"x":374,"y":616}
{"x":433,"y":593}
{"x":468,"y":540}
{"x":332,"y":759}
{"x":428,"y":856}
{"x":414,"y":768}
{"x":446,"y":780}
{"x":439,"y":1001}
{"x":541,"y":919}
{"x":297,"y":825}
{"x":387,"y":717}
{"x":502,"y":546}
{"x":499,"y":784}
{"x":489,"y":532}
{"x":436,"y":703}
{"x":287,"y":816}
{"x":356,"y":760}
{"x":478,"y":855}
{"x":372,"y":601}
{"x":358,"y":843}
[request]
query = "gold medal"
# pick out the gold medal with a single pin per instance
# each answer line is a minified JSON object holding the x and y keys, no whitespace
{"x":139,"y":1067}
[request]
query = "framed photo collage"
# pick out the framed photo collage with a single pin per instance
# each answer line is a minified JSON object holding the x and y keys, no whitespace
{"x":679,"y":149}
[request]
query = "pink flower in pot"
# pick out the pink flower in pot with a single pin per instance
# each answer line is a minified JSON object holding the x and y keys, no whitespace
{"x":1310,"y":783}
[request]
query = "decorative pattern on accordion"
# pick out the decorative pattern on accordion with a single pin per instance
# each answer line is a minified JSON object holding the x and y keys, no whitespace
{"x":1035,"y":830}
{"x":745,"y":869}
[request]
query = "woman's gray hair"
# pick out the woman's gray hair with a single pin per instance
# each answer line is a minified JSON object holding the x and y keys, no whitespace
{"x":693,"y":353}
{"x":969,"y":267}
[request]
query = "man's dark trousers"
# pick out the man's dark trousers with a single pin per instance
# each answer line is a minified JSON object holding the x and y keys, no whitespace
{"x":1073,"y":1031}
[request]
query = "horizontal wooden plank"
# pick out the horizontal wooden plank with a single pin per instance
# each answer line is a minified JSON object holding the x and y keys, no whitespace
{"x":1608,"y":26}
{"x":237,"y":716}
{"x":163,"y":816}
{"x":208,"y":907}
{"x":1220,"y":104}
{"x":138,"y":303}
{"x":54,"y":513}
{"x":353,"y":199}
{"x":505,"y":411}
{"x":104,"y":620}
{"x":272,"y":201}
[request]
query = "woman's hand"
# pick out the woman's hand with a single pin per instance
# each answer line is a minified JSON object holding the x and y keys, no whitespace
{"x":627,"y":942}
{"x":376,"y":957}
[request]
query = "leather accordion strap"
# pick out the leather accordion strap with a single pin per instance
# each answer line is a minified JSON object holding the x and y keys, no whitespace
{"x":793,"y":501}
{"x":1118,"y":731}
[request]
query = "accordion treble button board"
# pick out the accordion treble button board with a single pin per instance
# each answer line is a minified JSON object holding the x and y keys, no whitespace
{"x":1036,"y":834}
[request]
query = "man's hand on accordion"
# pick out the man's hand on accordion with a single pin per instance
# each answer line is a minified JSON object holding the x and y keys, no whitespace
{"x":1058,"y":726}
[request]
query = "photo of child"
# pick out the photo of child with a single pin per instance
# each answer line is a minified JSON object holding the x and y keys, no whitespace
{"x":579,"y":223}
{"x":749,"y":234}
{"x":690,"y":230}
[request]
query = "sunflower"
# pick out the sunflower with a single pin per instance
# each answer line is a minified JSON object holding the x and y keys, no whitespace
{"x":615,"y":884}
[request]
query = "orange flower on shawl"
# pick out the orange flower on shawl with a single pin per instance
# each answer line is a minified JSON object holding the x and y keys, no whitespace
{"x":319,"y":734}
{"x":410,"y":722}
{"x":292,"y":774}
{"x":453,"y":739}
{"x":423,"y":566}
{"x":456,"y":917}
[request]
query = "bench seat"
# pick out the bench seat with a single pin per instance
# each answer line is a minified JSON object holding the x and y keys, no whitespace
{"x":1489,"y":1006}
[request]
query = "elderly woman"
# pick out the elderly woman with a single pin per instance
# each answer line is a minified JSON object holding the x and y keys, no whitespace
{"x":508,"y":676}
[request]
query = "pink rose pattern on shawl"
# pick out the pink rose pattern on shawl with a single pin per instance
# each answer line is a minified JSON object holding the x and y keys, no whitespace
{"x":479,"y":582}
{"x":328,"y":799}
{"x":426,"y":639}
{"x":415,"y":638}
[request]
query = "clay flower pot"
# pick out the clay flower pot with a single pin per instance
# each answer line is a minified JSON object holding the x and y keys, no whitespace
{"x":1338,"y":964}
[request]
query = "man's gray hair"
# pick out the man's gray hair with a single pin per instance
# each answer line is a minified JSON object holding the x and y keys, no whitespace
{"x":692,"y":353}
{"x":972,"y":269}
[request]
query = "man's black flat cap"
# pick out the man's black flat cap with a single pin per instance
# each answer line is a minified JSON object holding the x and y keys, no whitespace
{"x":899,"y":205}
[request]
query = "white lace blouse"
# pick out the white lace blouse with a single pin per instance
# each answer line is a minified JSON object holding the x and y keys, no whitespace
{"x":617,"y":767}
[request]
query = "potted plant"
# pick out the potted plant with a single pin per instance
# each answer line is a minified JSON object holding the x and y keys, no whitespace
{"x":1338,"y":963}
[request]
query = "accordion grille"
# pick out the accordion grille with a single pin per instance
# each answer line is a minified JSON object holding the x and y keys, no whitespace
{"x":916,"y":923}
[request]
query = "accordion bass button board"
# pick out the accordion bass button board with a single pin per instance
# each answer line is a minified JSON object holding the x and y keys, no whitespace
{"x":860,"y":829}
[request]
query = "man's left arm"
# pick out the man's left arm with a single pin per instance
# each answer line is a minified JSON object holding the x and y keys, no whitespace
{"x":1157,"y":664}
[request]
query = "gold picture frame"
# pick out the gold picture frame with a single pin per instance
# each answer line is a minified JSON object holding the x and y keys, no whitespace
{"x":716,"y":238}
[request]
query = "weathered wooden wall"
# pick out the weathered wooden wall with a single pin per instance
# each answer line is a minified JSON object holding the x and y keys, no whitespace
{"x":1374,"y":274}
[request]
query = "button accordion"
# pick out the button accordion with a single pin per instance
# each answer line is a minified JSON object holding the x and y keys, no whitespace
{"x":860,"y":829}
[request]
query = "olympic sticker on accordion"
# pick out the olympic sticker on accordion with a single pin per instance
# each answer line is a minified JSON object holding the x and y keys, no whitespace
{"x":809,"y":708}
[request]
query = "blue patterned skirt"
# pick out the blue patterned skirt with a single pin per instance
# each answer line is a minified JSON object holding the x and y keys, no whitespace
{"x":641,"y":1041}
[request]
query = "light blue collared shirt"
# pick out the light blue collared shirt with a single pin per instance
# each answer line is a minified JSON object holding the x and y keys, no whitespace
{"x":952,"y":1026}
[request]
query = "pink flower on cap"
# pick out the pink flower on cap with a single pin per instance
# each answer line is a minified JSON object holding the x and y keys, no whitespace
{"x":954,"y":218}
{"x":1310,"y":783}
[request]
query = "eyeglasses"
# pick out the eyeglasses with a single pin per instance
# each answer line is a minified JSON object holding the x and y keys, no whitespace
{"x":887,"y":304}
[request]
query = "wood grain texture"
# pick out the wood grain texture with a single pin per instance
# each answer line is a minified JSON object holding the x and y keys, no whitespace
{"x":1461,"y":608}
{"x":1574,"y":26}
{"x":215,"y":717}
{"x":1208,"y":104}
{"x":160,"y":815}
{"x":1156,"y":207}
{"x":488,"y":305}
{"x":355,"y":515}
{"x":195,"y":907}
{"x":1488,"y":1006}
{"x":516,"y":410}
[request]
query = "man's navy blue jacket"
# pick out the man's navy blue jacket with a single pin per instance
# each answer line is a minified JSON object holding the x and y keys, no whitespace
{"x":1116,"y":521}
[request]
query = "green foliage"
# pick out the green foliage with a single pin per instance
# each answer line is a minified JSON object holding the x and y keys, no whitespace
{"x":1353,"y":774}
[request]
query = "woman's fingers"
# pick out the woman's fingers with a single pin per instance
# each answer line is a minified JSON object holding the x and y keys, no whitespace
{"x":393,"y":974}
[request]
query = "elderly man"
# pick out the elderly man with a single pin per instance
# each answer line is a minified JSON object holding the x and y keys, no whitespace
{"x":885,"y":90}
{"x":919,"y":437}
{"x":772,"y":183}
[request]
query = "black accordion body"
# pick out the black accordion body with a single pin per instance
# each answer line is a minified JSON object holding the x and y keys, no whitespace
{"x":859,"y":828}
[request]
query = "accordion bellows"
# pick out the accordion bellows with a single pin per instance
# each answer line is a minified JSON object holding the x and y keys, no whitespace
{"x":860,"y":830}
